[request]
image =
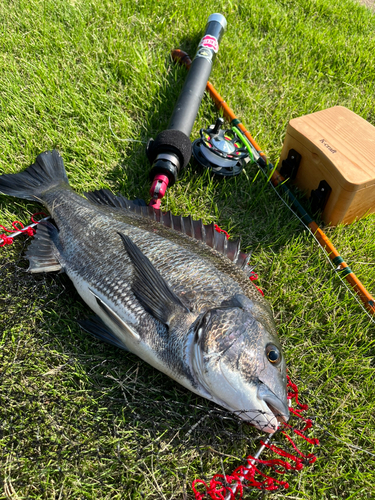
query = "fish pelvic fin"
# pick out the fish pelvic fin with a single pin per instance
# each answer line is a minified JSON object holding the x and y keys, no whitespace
{"x":96,"y":327}
{"x":115,"y":319}
{"x":48,"y":171}
{"x":205,"y":233}
{"x":150,"y":288}
{"x":42,"y":253}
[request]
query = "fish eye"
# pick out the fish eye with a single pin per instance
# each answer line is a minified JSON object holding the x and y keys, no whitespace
{"x":273,"y":354}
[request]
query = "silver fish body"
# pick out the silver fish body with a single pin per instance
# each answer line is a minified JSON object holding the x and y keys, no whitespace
{"x":180,"y":305}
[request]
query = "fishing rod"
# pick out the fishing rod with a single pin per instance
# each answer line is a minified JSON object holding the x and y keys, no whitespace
{"x":278,"y":180}
{"x":171,"y":150}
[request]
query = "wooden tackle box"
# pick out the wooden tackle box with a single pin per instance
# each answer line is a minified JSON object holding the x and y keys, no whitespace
{"x":335,"y":150}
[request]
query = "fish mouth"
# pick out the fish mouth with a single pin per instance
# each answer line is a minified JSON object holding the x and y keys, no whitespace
{"x":279,"y":408}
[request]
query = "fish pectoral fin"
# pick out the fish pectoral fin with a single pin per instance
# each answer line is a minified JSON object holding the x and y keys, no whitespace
{"x":122,"y":325}
{"x":96,"y":327}
{"x":150,"y":288}
{"x":42,"y":252}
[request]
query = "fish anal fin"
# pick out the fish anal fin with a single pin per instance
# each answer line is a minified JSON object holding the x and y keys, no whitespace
{"x":96,"y":327}
{"x":42,"y":253}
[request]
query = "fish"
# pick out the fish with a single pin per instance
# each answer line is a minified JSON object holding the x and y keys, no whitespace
{"x":169,"y":289}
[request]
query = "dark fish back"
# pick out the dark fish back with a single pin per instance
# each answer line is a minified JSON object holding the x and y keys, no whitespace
{"x":88,"y":234}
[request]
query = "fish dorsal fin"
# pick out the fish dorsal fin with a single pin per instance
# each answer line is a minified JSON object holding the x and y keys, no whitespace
{"x":42,"y":253}
{"x":186,"y":225}
{"x":106,"y":197}
{"x":150,"y":288}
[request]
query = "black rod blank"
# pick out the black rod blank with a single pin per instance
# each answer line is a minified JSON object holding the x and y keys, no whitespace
{"x":187,"y":106}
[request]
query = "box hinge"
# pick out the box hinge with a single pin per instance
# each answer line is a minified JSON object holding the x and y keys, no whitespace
{"x":319,"y":197}
{"x":290,"y":166}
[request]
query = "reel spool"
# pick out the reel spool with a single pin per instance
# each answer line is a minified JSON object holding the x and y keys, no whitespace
{"x":220,"y":150}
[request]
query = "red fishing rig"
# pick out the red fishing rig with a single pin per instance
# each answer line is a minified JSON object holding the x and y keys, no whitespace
{"x":253,"y":475}
{"x":19,"y":228}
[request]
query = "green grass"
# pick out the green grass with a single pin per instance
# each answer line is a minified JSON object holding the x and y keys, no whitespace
{"x":79,"y":419}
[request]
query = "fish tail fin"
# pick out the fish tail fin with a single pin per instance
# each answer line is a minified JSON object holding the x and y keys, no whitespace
{"x":47,"y":172}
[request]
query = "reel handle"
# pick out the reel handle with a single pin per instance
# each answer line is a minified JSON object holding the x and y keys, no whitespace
{"x":218,"y":124}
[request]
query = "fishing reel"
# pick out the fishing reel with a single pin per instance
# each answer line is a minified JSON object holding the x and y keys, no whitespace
{"x":222,"y":151}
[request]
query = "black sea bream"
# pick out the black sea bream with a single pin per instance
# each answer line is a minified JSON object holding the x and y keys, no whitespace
{"x":170,"y":290}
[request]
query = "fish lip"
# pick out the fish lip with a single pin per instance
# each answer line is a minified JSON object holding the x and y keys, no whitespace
{"x":276,"y":406}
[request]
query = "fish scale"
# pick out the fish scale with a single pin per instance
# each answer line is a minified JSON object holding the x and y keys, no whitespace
{"x":167,"y":288}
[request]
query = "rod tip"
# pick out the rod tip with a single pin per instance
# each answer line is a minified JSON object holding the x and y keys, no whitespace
{"x":219,"y":18}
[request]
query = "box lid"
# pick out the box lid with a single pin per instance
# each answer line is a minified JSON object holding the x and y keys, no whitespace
{"x":346,"y":140}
